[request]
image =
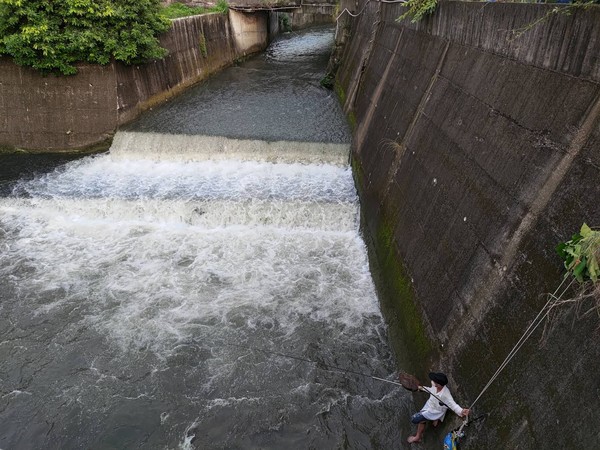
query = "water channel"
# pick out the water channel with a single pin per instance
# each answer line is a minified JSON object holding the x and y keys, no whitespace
{"x":149,"y":295}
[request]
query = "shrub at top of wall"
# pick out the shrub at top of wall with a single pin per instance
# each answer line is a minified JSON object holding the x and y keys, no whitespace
{"x":54,"y":36}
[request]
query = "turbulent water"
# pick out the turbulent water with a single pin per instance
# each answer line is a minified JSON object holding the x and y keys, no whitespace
{"x":189,"y":291}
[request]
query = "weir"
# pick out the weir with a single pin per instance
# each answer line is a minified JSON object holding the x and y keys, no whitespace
{"x":164,"y":146}
{"x":143,"y":289}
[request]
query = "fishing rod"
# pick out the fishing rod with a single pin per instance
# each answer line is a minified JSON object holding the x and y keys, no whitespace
{"x":319,"y":365}
{"x":407,"y":381}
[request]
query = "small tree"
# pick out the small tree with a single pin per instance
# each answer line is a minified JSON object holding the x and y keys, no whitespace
{"x":51,"y":36}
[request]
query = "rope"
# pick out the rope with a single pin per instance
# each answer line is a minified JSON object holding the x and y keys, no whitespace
{"x":466,"y":422}
{"x":528,"y":332}
{"x":365,"y":5}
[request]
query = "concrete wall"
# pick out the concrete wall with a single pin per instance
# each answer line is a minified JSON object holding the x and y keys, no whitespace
{"x":476,"y":150}
{"x":312,"y":14}
{"x":49,"y":113}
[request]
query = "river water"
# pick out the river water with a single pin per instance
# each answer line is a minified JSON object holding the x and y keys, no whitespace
{"x":189,"y":288}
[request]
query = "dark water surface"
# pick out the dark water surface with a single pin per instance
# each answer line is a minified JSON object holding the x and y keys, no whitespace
{"x":273,"y":96}
{"x":148,"y":300}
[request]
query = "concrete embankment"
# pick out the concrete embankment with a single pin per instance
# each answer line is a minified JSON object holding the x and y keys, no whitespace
{"x":476,"y":150}
{"x":50,"y":113}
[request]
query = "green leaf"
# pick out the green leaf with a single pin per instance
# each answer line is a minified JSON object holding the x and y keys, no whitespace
{"x":585,"y":231}
{"x":581,"y":254}
{"x":561,"y":250}
{"x":593,"y":269}
{"x":579,"y":268}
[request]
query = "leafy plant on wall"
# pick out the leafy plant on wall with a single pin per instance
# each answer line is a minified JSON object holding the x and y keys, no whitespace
{"x":581,"y":256}
{"x":285,"y":22}
{"x":52,"y":36}
{"x":417,"y":9}
{"x":221,"y":6}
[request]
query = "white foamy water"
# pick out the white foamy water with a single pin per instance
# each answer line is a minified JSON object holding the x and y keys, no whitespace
{"x":207,"y":214}
{"x":151,"y":251}
{"x":163,"y":294}
{"x":288,"y":50}
{"x":164,"y":147}
{"x":106,"y":177}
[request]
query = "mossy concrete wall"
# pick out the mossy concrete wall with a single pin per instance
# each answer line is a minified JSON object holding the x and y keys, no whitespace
{"x":55,"y":113}
{"x":476,"y":150}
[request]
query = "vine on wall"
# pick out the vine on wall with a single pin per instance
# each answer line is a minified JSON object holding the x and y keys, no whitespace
{"x":417,"y":9}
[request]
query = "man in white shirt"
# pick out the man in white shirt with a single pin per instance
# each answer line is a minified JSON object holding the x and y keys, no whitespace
{"x":440,"y":399}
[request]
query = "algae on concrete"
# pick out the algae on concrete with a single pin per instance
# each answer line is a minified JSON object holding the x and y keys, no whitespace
{"x":410,"y":342}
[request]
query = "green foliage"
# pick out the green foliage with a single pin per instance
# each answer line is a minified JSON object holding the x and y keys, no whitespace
{"x":221,"y":7}
{"x":581,"y":254}
{"x":52,"y":36}
{"x":417,"y":9}
{"x":285,"y":22}
{"x":328,"y":81}
{"x":176,"y":10}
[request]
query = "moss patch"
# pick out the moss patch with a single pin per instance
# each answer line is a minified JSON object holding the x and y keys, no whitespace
{"x":202,"y":45}
{"x":339,"y":90}
{"x":352,"y":120}
{"x":398,"y":300}
{"x":341,"y":94}
{"x":408,"y":336}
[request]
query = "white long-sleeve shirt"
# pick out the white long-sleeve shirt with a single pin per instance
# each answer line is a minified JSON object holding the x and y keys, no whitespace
{"x":433,"y":410}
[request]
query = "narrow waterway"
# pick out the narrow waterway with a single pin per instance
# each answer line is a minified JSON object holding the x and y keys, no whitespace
{"x":149,"y":296}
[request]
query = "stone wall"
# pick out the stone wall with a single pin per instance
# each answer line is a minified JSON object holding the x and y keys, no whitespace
{"x":476,"y":150}
{"x":50,"y":113}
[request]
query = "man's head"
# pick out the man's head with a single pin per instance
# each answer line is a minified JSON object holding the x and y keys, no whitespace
{"x":439,"y":378}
